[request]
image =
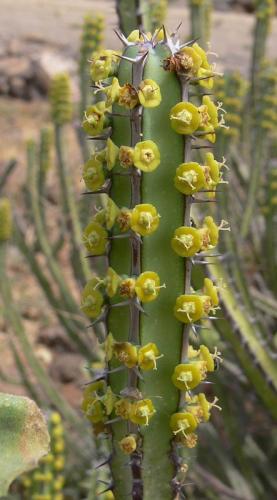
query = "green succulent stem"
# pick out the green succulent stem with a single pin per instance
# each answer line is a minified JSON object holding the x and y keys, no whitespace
{"x":200,"y":20}
{"x":145,"y":15}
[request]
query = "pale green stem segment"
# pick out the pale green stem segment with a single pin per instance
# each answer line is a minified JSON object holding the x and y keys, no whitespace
{"x":146,"y":15}
{"x":160,"y":326}
{"x":24,"y":437}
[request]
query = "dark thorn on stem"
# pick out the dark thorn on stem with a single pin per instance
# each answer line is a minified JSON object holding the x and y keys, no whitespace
{"x":105,"y":462}
{"x":205,"y":146}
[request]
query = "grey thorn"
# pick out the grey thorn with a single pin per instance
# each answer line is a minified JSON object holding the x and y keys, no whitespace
{"x":125,"y":58}
{"x":113,"y":421}
{"x":187,"y":44}
{"x":168,"y":41}
{"x":138,"y":305}
{"x":100,"y":318}
{"x":175,"y":33}
{"x":144,"y":36}
{"x":123,"y":38}
{"x":154,"y":38}
{"x":104,"y":189}
{"x":119,"y":236}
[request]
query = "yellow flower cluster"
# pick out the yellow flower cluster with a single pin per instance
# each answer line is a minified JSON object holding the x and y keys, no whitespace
{"x":100,"y":403}
{"x":192,"y":63}
{"x":187,"y":119}
{"x":192,"y":177}
{"x":128,"y":354}
{"x":187,"y":240}
{"x":146,"y":287}
{"x":184,"y":423}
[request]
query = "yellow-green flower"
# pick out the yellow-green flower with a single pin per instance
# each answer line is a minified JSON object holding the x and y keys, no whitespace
{"x":202,"y":54}
{"x":206,"y":78}
{"x":184,"y":118}
{"x":104,"y":63}
{"x":91,"y":405}
{"x":128,"y":96}
{"x":111,"y":91}
{"x":144,"y":219}
{"x":212,"y":110}
{"x":209,"y":233}
{"x":183,"y":423}
{"x":94,"y":120}
{"x":211,"y":290}
{"x":93,"y":174}
{"x":187,"y":376}
{"x":214,"y":168}
{"x":208,"y":118}
{"x":147,"y":356}
{"x":189,"y":308}
{"x":190,"y":61}
{"x":91,"y":300}
{"x":112,"y":282}
{"x":109,"y":346}
{"x":149,"y":94}
{"x":200,"y":407}
{"x":147,"y":286}
{"x":186,"y":241}
{"x":142,"y":411}
{"x":189,"y":178}
{"x":111,"y":212}
{"x":207,"y":357}
{"x":108,"y":400}
{"x":146,"y":156}
{"x":126,"y":156}
{"x":128,"y":444}
{"x":95,"y":238}
{"x":111,"y":154}
{"x":126,"y":353}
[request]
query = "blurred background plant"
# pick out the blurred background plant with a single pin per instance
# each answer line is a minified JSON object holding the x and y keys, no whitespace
{"x":236,"y":452}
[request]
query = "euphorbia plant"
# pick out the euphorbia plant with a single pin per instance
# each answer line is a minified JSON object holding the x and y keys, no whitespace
{"x":149,"y":398}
